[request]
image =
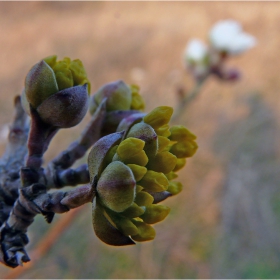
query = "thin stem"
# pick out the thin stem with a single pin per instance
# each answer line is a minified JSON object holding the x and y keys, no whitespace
{"x":72,"y":177}
{"x":40,"y":136}
{"x":78,"y":148}
{"x":188,"y":98}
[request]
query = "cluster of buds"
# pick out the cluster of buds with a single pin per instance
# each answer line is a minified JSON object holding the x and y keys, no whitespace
{"x":131,"y":166}
{"x":226,"y":39}
{"x":122,"y":100}
{"x":134,"y":173}
{"x":56,"y":95}
{"x":57,"y":91}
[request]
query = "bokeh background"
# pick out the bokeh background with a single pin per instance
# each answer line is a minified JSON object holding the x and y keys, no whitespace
{"x":226,"y":221}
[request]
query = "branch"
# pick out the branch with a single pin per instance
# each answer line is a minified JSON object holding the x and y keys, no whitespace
{"x":12,"y":160}
{"x":188,"y":98}
{"x":35,"y":200}
{"x":46,"y":243}
{"x":89,"y":136}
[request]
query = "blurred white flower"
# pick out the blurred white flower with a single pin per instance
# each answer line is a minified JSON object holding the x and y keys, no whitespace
{"x":228,"y":36}
{"x":195,"y":51}
{"x":196,"y":58}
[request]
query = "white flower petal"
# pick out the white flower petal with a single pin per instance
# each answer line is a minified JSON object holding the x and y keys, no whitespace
{"x":195,"y":50}
{"x":228,"y":36}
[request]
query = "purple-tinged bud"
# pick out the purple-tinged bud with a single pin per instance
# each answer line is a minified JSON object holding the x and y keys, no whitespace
{"x":104,"y":229}
{"x":116,"y":186}
{"x":66,"y":108}
{"x":100,"y":149}
{"x":40,"y":83}
{"x":118,"y":96}
{"x":57,"y":92}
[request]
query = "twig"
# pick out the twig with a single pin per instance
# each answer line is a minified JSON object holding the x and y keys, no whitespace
{"x":12,"y":160}
{"x":188,"y":98}
{"x":46,"y":242}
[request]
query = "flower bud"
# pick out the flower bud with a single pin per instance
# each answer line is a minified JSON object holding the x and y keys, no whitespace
{"x":98,"y":153}
{"x":40,"y":83}
{"x":186,"y":145}
{"x":145,"y":231}
{"x":137,"y":102}
{"x":66,"y":108}
{"x":116,"y":186}
{"x":138,"y":171}
{"x":155,"y":213}
{"x":143,"y":198}
{"x":134,"y":211}
{"x":154,"y":181}
{"x":163,"y":162}
{"x":146,"y":133}
{"x":159,"y":116}
{"x":58,"y":91}
{"x":131,"y":151}
{"x":104,"y":229}
{"x":181,"y":162}
{"x":122,"y":223}
{"x":175,"y":187}
{"x":118,"y":96}
{"x":131,"y":175}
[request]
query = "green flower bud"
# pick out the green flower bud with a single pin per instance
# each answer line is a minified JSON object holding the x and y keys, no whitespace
{"x":138,"y":171}
{"x":154,"y":181}
{"x":53,"y":91}
{"x":98,"y":153}
{"x":129,"y":121}
{"x":66,"y":108}
{"x":155,"y":213}
{"x":116,"y":186}
{"x":126,"y":226}
{"x":146,"y":133}
{"x":137,"y":102}
{"x":163,"y":143}
{"x":186,"y":145}
{"x":171,"y":175}
{"x":133,"y":211}
{"x":104,"y":229}
{"x":131,"y":151}
{"x":159,"y":116}
{"x":118,"y":96}
{"x":152,"y":152}
{"x":122,"y":223}
{"x":163,"y":130}
{"x":143,"y":198}
{"x":181,"y":162}
{"x":181,"y":133}
{"x":175,"y":187}
{"x":139,"y":188}
{"x":145,"y":231}
{"x":163,"y":162}
{"x":68,"y":73}
{"x":51,"y":60}
{"x":184,"y":149}
{"x":40,"y":83}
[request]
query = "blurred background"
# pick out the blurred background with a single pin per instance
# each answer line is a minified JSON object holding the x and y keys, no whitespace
{"x":226,"y":221}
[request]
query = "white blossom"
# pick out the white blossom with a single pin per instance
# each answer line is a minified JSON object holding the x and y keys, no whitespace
{"x":196,"y":58}
{"x":195,"y":51}
{"x":228,"y":36}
